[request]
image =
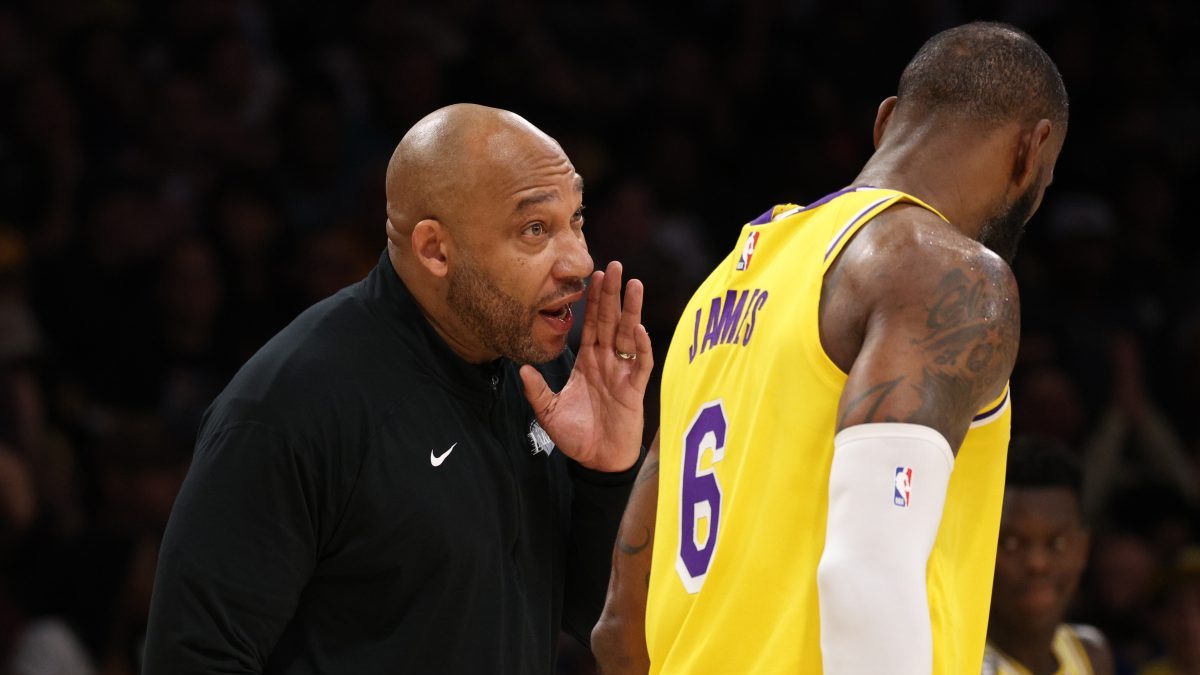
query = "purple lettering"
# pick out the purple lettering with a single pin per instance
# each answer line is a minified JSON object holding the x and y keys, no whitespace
{"x":758,"y":304}
{"x":712,"y":333}
{"x":695,"y":337}
{"x":731,"y":316}
{"x":746,"y":316}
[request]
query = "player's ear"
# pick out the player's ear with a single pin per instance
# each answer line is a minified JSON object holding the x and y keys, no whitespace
{"x":431,"y":245}
{"x":882,"y":117}
{"x":1031,"y":149}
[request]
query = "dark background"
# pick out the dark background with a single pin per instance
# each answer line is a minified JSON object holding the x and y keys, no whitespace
{"x":179,"y":179}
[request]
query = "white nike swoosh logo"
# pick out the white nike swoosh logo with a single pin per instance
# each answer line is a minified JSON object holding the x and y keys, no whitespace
{"x":437,"y":460}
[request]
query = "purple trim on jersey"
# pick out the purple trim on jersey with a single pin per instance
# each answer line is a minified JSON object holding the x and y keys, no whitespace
{"x":764,"y":218}
{"x":850,"y":225}
{"x":770,"y":214}
{"x":833,"y":196}
{"x":994,"y":408}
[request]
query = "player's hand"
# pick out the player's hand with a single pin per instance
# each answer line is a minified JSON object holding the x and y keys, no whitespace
{"x":597,"y":418}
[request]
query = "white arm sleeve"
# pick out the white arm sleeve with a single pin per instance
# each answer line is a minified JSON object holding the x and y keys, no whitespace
{"x":887,"y":487}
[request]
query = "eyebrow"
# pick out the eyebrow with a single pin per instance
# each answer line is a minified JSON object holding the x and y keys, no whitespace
{"x":543,"y":197}
{"x":533,"y":200}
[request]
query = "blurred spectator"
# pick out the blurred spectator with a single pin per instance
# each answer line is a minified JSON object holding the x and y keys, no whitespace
{"x":1117,"y":592}
{"x":178,"y":179}
{"x":94,"y":622}
{"x":1177,"y":617}
{"x":1042,"y":552}
{"x":1050,"y":404}
{"x":22,"y":408}
{"x":1133,"y":442}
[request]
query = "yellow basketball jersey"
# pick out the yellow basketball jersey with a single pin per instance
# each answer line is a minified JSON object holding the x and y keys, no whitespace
{"x":749,"y":403}
{"x":1067,"y":648}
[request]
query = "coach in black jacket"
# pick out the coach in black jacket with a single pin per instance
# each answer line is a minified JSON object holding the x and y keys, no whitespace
{"x":383,"y":488}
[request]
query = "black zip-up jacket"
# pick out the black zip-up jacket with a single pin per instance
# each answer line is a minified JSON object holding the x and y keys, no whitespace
{"x":362,"y":501}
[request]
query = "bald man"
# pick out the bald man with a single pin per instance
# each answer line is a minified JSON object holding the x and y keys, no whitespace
{"x":392,"y":484}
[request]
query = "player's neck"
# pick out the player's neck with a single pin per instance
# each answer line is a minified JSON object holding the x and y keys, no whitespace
{"x":1032,"y":646}
{"x":944,"y":170}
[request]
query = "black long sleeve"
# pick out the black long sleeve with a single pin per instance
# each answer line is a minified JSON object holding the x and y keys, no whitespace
{"x":596,"y":510}
{"x":238,"y":552}
{"x":364,"y":501}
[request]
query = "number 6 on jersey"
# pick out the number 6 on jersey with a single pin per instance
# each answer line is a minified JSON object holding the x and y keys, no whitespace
{"x":700,"y":509}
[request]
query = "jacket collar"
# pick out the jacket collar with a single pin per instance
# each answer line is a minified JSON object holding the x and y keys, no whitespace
{"x":391,"y":300}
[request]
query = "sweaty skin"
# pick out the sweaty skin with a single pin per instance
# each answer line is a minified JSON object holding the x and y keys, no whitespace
{"x":923,"y":318}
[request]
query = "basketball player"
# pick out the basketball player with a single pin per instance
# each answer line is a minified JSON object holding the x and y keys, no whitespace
{"x":835,"y":411}
{"x":1043,"y":550}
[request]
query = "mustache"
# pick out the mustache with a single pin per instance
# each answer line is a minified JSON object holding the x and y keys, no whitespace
{"x":568,"y":288}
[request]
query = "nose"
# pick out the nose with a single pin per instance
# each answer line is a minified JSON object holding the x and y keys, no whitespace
{"x":1037,"y":559}
{"x":573,"y":260}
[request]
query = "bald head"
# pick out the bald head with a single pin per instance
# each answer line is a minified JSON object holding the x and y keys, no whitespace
{"x":448,"y":155}
{"x":983,"y":72}
{"x":485,"y":229}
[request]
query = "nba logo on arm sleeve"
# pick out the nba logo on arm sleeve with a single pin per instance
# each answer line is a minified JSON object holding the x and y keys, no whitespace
{"x":903,"y":486}
{"x":748,"y":250}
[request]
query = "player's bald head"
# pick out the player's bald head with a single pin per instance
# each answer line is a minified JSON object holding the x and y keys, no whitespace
{"x":452,"y":154}
{"x":984,"y":72}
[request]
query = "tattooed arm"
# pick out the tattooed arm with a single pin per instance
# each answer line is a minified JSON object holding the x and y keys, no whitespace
{"x":619,"y":638}
{"x":939,"y":335}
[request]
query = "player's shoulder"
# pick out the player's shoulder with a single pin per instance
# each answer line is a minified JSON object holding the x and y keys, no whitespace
{"x":908,"y":253}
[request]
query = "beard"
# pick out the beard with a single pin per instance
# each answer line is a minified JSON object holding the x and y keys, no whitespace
{"x":1002,"y":232}
{"x":498,"y":320}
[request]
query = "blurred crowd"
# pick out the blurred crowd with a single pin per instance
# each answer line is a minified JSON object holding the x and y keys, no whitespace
{"x":179,"y":179}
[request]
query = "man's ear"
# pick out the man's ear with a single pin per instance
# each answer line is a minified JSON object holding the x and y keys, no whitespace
{"x":882,"y":117}
{"x":431,"y":245}
{"x":1030,"y":151}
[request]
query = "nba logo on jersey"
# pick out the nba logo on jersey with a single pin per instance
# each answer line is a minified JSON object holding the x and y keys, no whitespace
{"x":903,"y":486}
{"x":748,"y":251}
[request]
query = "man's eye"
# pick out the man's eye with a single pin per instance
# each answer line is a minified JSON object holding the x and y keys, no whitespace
{"x":535,"y":229}
{"x":578,"y":215}
{"x":1010,"y":544}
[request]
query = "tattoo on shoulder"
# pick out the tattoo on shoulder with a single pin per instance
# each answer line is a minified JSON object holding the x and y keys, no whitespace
{"x":973,"y":327}
{"x":971,"y":331}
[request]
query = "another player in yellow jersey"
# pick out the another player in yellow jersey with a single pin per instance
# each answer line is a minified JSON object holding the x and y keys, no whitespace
{"x":1043,"y":550}
{"x":811,"y":514}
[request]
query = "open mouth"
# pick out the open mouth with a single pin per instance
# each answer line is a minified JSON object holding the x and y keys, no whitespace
{"x":561,"y":313}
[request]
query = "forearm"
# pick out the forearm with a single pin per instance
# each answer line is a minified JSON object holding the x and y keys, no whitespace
{"x":869,"y":622}
{"x":871,"y":577}
{"x":619,"y":644}
{"x":619,"y":639}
